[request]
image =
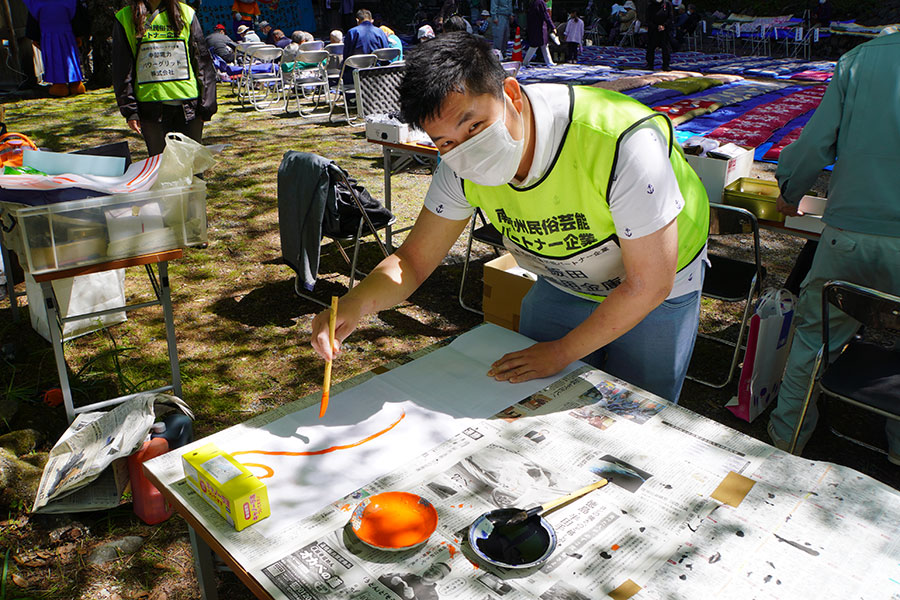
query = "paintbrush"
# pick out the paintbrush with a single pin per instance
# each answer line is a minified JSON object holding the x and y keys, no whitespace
{"x":326,"y":385}
{"x":523,"y":515}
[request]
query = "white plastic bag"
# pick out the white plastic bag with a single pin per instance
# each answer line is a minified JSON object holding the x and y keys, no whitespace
{"x":768,"y":345}
{"x":181,"y":159}
{"x":76,"y":296}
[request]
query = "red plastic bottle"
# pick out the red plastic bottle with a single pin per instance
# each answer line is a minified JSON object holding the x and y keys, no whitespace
{"x":149,"y":503}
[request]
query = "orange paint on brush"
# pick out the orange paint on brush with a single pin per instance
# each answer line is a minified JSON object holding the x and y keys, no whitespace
{"x":396,"y":520}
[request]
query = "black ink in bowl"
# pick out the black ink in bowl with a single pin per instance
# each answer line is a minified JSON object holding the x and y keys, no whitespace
{"x":516,"y":546}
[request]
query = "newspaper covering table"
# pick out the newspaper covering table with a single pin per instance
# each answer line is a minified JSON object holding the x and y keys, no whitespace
{"x":695,"y":508}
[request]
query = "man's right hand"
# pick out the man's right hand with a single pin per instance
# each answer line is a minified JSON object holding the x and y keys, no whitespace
{"x":787,"y":209}
{"x":134,"y":125}
{"x":344,"y":325}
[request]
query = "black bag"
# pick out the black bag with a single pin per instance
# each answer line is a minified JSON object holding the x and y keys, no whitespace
{"x":342,"y":215}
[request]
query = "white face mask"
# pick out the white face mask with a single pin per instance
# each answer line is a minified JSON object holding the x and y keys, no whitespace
{"x":491,"y":157}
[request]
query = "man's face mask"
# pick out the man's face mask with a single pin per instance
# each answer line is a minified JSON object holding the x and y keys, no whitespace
{"x":491,"y":157}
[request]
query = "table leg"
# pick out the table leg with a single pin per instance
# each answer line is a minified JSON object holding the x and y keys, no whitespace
{"x":10,"y":284}
{"x":55,"y":328}
{"x":203,"y":566}
{"x":386,"y":152}
{"x":166,"y":301}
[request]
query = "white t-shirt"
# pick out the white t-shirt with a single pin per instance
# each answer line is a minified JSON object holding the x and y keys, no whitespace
{"x":643,"y":198}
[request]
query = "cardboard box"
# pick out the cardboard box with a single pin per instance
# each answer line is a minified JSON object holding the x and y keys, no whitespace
{"x":505,"y":284}
{"x":716,"y":173}
{"x":226,"y":485}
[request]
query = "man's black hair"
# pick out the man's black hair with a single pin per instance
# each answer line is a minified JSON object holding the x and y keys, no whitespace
{"x":455,"y":23}
{"x":363,"y":14}
{"x":452,"y":62}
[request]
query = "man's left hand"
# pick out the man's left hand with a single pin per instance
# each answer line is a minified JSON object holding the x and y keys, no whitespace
{"x":787,"y":209}
{"x":541,"y":360}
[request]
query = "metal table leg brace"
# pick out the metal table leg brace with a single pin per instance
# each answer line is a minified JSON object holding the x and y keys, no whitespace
{"x":162,"y":292}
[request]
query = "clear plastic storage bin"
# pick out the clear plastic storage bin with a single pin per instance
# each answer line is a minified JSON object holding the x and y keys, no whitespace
{"x":83,"y":232}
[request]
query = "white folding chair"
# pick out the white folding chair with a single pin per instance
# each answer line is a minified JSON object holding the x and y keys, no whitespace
{"x":386,"y":55}
{"x":307,"y":78}
{"x":311,"y":46}
{"x":242,"y":58}
{"x":511,"y":67}
{"x":335,"y":59}
{"x":341,"y":90}
{"x":265,"y":88}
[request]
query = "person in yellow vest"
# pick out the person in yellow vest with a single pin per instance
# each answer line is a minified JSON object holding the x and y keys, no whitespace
{"x":590,"y":192}
{"x":163,"y":75}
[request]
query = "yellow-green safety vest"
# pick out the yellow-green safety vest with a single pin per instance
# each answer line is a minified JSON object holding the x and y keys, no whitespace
{"x":163,"y":70}
{"x":561,"y":227}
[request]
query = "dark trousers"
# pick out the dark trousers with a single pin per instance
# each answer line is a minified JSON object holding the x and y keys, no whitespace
{"x":571,"y":52}
{"x":658,"y":39}
{"x":154,"y":132}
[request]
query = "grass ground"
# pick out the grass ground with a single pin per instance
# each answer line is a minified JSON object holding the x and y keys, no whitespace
{"x":243,"y":336}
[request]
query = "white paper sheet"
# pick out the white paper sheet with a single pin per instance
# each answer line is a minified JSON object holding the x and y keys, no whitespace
{"x":454,"y":379}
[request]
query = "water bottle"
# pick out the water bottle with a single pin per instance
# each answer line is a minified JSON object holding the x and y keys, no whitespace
{"x":149,"y":503}
{"x":176,"y":427}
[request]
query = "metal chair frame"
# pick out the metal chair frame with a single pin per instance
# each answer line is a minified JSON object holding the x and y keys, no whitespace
{"x":334,"y":170}
{"x":301,"y":83}
{"x":242,"y":58}
{"x":486,"y":234}
{"x":386,"y":55}
{"x":629,"y":37}
{"x":335,"y":59}
{"x":264,"y":91}
{"x":882,"y":312}
{"x":312,"y":46}
{"x":511,"y":67}
{"x":357,"y":61}
{"x":754,"y":289}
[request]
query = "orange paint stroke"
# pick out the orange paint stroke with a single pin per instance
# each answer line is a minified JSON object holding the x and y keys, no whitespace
{"x":316,"y":452}
{"x":615,"y":546}
{"x":269,"y":470}
{"x":452,"y":550}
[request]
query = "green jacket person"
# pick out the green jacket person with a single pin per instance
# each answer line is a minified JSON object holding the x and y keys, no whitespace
{"x":163,"y":74}
{"x":589,"y":191}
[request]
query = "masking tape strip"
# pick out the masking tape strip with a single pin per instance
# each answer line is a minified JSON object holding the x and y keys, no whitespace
{"x":733,"y":489}
{"x":625,"y":591}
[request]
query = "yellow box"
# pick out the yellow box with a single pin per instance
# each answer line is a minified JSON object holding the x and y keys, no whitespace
{"x":226,"y":485}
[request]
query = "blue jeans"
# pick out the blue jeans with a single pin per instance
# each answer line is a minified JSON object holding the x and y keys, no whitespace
{"x":653,"y":355}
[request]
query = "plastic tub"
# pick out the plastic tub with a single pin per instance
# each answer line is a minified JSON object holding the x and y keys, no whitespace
{"x":84,"y":232}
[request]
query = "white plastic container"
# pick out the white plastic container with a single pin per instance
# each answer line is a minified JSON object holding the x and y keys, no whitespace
{"x":84,"y":232}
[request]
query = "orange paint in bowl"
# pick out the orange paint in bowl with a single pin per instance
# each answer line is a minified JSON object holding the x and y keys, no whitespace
{"x":394,"y":520}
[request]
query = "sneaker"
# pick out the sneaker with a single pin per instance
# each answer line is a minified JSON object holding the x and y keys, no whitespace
{"x":785,"y":445}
